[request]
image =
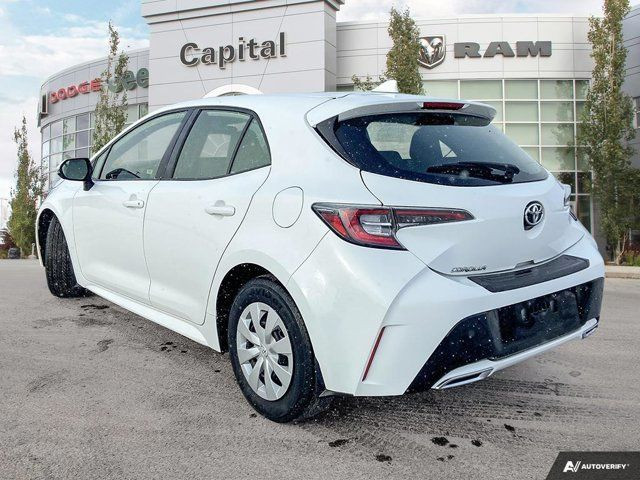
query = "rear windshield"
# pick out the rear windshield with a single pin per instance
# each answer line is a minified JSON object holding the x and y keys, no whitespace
{"x":444,"y":148}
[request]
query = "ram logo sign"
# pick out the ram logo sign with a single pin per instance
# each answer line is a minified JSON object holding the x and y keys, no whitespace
{"x":523,"y":49}
{"x":432,"y":51}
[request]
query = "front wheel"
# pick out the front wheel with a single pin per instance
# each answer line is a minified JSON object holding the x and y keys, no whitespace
{"x":61,"y":279}
{"x":271,"y":353}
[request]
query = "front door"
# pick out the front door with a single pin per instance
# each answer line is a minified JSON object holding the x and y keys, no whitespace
{"x":108,"y":219}
{"x":192,"y":217}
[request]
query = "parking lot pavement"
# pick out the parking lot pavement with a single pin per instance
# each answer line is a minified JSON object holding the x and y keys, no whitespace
{"x":92,"y":391}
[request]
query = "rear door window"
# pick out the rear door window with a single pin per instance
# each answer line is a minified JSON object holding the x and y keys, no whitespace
{"x":253,"y":151}
{"x":209,"y":149}
{"x":434,"y":147}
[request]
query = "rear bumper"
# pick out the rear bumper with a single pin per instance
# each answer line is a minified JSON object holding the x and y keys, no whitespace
{"x":348,"y":295}
{"x":484,"y":343}
{"x":482,"y":369}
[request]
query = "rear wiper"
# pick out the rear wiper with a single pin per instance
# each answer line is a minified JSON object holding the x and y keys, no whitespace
{"x":508,"y":168}
{"x":479,"y":170}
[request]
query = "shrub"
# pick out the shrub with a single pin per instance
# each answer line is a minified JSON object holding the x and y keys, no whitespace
{"x":632,"y":259}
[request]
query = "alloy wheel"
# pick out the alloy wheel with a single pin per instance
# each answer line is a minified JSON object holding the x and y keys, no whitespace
{"x":264,"y":351}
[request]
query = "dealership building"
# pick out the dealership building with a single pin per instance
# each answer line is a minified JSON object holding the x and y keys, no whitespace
{"x":534,"y":70}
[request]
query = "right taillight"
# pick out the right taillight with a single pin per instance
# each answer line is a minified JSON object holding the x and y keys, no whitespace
{"x":377,"y":226}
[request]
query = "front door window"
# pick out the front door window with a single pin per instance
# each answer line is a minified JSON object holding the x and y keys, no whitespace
{"x":137,"y":155}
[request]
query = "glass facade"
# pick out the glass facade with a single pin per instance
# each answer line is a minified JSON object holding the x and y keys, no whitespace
{"x":542,"y":117}
{"x":71,"y":137}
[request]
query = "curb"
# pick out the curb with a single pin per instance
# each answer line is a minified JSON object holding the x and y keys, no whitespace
{"x":630,"y":273}
{"x":628,"y":276}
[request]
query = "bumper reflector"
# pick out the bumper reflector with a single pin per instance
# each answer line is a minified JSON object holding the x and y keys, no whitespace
{"x":373,"y":354}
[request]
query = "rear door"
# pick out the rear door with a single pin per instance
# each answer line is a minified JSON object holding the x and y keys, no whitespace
{"x":108,"y":219}
{"x":452,"y":160}
{"x":193,"y":215}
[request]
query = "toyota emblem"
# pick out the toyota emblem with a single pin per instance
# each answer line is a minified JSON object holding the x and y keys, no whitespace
{"x":533,"y":215}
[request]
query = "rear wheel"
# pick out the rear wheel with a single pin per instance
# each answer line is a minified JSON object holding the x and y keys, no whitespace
{"x":271,"y":353}
{"x":61,"y":279}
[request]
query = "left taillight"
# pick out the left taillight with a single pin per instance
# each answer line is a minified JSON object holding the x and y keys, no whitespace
{"x":377,"y":226}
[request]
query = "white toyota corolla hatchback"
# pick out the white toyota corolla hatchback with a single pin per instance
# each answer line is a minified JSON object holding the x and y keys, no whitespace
{"x":334,"y":244}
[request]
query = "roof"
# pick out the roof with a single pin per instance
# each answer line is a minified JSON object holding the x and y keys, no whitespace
{"x":321,"y":106}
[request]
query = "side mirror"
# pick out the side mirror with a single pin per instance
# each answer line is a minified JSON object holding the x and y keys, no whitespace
{"x":77,"y":170}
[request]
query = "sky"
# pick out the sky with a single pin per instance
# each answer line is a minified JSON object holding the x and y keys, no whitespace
{"x":379,"y":9}
{"x":41,"y":37}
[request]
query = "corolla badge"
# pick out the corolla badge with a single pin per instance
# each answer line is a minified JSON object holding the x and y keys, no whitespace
{"x":432,"y":51}
{"x":472,"y":269}
{"x":533,"y":215}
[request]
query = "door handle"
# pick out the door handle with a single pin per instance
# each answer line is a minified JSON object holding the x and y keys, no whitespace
{"x":222,"y":210}
{"x":133,"y":204}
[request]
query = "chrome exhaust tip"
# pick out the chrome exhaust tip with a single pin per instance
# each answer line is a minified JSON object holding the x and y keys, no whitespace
{"x":591,"y":331}
{"x":464,"y":379}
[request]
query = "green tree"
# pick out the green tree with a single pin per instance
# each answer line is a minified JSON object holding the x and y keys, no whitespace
{"x":607,"y":127}
{"x":367,"y":83}
{"x":111,"y":110}
{"x":24,"y":198}
{"x":402,"y":59}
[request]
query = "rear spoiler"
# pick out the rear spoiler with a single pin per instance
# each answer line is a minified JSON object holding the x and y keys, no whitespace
{"x":475,"y":109}
{"x":362,"y":104}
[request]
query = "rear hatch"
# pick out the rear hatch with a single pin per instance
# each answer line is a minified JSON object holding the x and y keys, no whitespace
{"x":447,"y":155}
{"x":496,"y":239}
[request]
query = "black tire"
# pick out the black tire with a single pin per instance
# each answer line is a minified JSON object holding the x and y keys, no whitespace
{"x":302,"y":399}
{"x":61,"y":279}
